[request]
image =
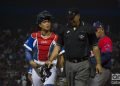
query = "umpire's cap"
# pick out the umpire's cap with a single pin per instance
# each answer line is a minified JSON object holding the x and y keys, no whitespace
{"x":72,"y":13}
{"x":44,"y":15}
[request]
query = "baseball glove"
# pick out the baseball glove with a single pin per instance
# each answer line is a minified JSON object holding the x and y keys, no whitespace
{"x":44,"y":72}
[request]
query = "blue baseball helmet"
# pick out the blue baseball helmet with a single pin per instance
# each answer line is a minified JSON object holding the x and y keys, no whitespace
{"x":98,"y":24}
{"x":44,"y":15}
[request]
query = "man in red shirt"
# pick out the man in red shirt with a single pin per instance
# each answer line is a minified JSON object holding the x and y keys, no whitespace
{"x":105,"y":45}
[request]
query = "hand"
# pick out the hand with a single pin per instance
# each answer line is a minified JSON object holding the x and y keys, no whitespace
{"x":98,"y":68}
{"x":49,"y":63}
{"x":33,"y":64}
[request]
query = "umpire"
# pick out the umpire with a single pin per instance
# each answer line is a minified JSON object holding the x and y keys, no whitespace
{"x":77,"y":40}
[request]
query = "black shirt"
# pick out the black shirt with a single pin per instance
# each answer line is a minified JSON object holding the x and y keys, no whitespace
{"x":77,"y":41}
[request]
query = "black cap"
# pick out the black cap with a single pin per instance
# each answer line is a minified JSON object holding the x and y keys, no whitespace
{"x":73,"y":12}
{"x":44,"y":15}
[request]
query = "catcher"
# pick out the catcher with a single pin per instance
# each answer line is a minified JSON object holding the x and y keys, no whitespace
{"x":38,"y":48}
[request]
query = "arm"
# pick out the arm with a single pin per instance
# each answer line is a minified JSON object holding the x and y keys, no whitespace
{"x":57,"y":47}
{"x":98,"y":59}
{"x":93,"y":42}
{"x":53,"y":55}
{"x":61,"y":58}
{"x":29,"y":46}
{"x":61,"y":63}
{"x":96,"y":52}
{"x":28,"y":55}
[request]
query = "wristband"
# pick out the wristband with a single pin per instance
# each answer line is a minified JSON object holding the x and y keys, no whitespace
{"x":61,"y":69}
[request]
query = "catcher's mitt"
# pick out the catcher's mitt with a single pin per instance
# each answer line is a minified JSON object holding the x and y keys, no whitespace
{"x":44,"y":72}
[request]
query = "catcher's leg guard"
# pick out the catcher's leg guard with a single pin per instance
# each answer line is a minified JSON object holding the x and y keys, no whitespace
{"x":52,"y":79}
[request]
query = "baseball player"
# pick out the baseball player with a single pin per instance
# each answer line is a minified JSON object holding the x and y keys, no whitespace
{"x":105,"y":45}
{"x":38,"y":48}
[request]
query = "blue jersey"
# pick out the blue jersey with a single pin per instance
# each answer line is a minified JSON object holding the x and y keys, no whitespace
{"x":39,"y":46}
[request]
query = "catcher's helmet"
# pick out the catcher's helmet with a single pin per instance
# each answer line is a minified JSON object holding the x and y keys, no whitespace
{"x":72,"y":13}
{"x":44,"y":15}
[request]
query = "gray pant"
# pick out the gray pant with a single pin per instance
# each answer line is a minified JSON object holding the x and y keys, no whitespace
{"x":77,"y":74}
{"x":100,"y":79}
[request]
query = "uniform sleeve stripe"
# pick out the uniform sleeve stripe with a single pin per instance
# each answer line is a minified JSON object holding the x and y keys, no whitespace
{"x":34,"y":43}
{"x":54,"y":41}
{"x":27,"y":47}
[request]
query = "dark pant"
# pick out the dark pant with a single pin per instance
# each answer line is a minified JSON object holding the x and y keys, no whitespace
{"x":101,"y":79}
{"x":77,"y":74}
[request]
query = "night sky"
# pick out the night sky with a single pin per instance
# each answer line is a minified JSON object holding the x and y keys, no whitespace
{"x":22,"y":13}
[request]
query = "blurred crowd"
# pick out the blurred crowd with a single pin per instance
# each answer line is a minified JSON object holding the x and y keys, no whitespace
{"x":12,"y":60}
{"x":13,"y":65}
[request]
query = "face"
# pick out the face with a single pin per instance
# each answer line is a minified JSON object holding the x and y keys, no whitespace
{"x":76,"y":20}
{"x":99,"y":32}
{"x":45,"y":25}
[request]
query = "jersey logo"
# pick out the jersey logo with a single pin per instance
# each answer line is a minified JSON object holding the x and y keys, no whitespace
{"x":68,"y":32}
{"x":43,"y":42}
{"x":81,"y":36}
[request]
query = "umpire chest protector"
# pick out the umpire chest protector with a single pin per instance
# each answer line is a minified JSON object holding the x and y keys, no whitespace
{"x":76,"y":42}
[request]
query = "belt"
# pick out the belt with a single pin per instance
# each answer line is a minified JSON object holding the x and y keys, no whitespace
{"x":78,"y":60}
